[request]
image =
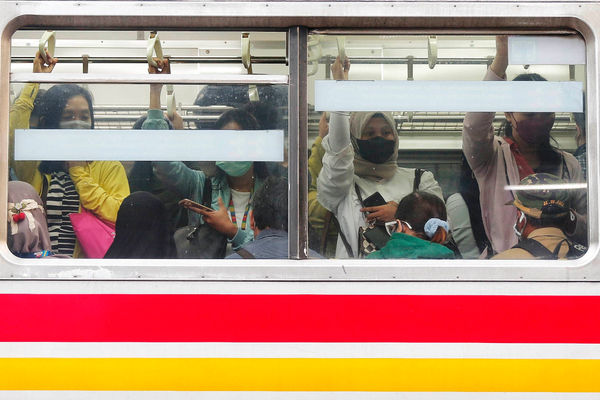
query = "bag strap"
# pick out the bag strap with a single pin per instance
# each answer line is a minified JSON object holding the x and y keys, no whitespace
{"x":344,"y":239}
{"x":537,"y":249}
{"x":417,"y":180}
{"x":245,"y":254}
{"x":44,"y":194}
{"x":207,"y":192}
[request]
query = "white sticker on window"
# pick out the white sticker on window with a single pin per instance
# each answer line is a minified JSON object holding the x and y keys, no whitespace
{"x":478,"y":96}
{"x":148,"y":145}
{"x":546,"y":50}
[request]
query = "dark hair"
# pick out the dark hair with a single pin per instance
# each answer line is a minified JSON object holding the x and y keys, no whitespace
{"x":270,"y":204}
{"x":142,"y":229}
{"x":38,"y":104}
{"x":418,"y":207}
{"x":548,"y":154}
{"x":549,"y":221}
{"x":53,"y":104}
{"x":55,"y":100}
{"x":246,"y":121}
{"x":267,"y":115}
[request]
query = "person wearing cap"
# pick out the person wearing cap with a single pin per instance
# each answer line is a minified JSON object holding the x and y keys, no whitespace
{"x":543,"y":216}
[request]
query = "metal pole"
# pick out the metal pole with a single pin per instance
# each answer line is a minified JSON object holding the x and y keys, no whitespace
{"x":298,"y":144}
{"x":173,"y":60}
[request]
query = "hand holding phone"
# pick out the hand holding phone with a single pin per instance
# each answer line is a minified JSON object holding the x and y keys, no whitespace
{"x":187,"y":203}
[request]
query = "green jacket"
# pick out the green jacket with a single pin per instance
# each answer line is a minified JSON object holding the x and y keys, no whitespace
{"x":402,"y":245}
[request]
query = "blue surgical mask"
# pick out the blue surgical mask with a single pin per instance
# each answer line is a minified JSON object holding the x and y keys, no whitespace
{"x":75,"y":124}
{"x":234,"y":168}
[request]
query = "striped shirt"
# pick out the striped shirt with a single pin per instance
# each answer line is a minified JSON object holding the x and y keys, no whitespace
{"x":61,"y":201}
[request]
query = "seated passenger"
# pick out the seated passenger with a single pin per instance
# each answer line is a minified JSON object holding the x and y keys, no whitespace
{"x":361,"y":154}
{"x":543,"y":217}
{"x":28,"y":235}
{"x":421,"y":229}
{"x":269,"y":221}
{"x":233,"y":186}
{"x":142,"y":229}
{"x":525,"y":148}
{"x":67,"y":186}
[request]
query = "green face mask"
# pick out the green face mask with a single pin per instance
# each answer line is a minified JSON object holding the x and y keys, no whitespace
{"x":234,"y":168}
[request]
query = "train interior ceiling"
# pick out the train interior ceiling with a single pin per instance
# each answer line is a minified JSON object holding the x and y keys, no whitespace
{"x":430,"y":140}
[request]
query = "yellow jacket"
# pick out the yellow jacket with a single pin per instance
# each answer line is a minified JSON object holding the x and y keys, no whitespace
{"x":316,"y":212}
{"x":101,"y":185}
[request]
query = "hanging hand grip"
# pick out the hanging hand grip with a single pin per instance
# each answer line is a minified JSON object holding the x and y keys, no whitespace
{"x":47,"y":41}
{"x":153,"y":47}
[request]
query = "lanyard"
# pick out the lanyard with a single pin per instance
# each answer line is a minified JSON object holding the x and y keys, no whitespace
{"x":232,"y":209}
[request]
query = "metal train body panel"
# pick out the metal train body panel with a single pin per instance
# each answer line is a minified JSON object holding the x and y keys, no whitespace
{"x":301,"y":328}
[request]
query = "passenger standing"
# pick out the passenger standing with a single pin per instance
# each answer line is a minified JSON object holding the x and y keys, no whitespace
{"x":499,"y":161}
{"x":361,"y":152}
{"x":67,"y":186}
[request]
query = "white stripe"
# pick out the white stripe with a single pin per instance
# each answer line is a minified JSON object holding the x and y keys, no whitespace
{"x":162,"y":395}
{"x":148,"y":145}
{"x":563,"y":186}
{"x":431,"y":288}
{"x":300,"y":350}
{"x":484,"y":96}
{"x":547,"y":50}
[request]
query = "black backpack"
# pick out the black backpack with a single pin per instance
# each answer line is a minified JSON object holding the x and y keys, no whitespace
{"x":540,"y":251}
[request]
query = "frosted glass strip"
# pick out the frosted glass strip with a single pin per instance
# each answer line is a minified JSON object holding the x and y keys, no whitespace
{"x":548,"y":50}
{"x":483,"y":96}
{"x":148,"y":145}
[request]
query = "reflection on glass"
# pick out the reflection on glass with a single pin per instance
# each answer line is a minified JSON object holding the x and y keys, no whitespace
{"x":348,"y":162}
{"x":141,"y":203}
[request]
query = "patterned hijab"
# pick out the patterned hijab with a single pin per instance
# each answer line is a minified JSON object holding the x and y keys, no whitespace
{"x":27,"y":229}
{"x":362,"y":167}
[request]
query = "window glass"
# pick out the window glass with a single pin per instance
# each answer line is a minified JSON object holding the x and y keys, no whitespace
{"x":476,"y":121}
{"x":119,"y":170}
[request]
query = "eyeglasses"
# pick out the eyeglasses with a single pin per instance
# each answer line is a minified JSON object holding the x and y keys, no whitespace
{"x":392,"y":226}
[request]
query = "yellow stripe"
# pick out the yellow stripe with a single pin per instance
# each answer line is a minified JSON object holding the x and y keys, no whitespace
{"x":300,"y":374}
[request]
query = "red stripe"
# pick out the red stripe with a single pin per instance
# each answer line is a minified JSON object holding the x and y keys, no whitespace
{"x":299,"y":318}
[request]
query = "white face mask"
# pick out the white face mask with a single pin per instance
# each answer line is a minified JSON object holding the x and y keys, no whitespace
{"x":75,"y":124}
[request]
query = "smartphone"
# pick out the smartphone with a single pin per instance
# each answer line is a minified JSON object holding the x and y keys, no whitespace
{"x":376,"y":199}
{"x":188,"y":202}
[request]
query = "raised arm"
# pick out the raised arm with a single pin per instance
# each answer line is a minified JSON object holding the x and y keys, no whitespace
{"x":337,"y":173}
{"x":478,"y":128}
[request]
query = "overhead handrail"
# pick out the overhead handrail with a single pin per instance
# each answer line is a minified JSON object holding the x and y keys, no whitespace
{"x":247,"y":63}
{"x":172,"y":60}
{"x":47,"y":42}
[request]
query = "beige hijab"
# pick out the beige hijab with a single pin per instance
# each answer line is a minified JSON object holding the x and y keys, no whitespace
{"x":362,"y":167}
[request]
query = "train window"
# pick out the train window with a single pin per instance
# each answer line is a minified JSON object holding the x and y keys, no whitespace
{"x":207,"y":160}
{"x":445,"y":146}
{"x":354,"y":152}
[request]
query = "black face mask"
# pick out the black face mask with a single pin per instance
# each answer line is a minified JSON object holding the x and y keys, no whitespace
{"x":377,"y":150}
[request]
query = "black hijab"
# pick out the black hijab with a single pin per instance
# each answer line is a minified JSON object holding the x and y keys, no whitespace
{"x":142,"y":229}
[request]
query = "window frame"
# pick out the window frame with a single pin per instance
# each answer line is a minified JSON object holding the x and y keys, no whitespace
{"x":299,"y":18}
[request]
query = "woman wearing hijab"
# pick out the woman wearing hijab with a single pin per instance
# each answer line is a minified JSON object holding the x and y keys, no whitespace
{"x":362,"y":149}
{"x":142,"y":229}
{"x":27,"y":229}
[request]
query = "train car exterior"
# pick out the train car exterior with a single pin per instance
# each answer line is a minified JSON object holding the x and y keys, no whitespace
{"x":300,"y":328}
